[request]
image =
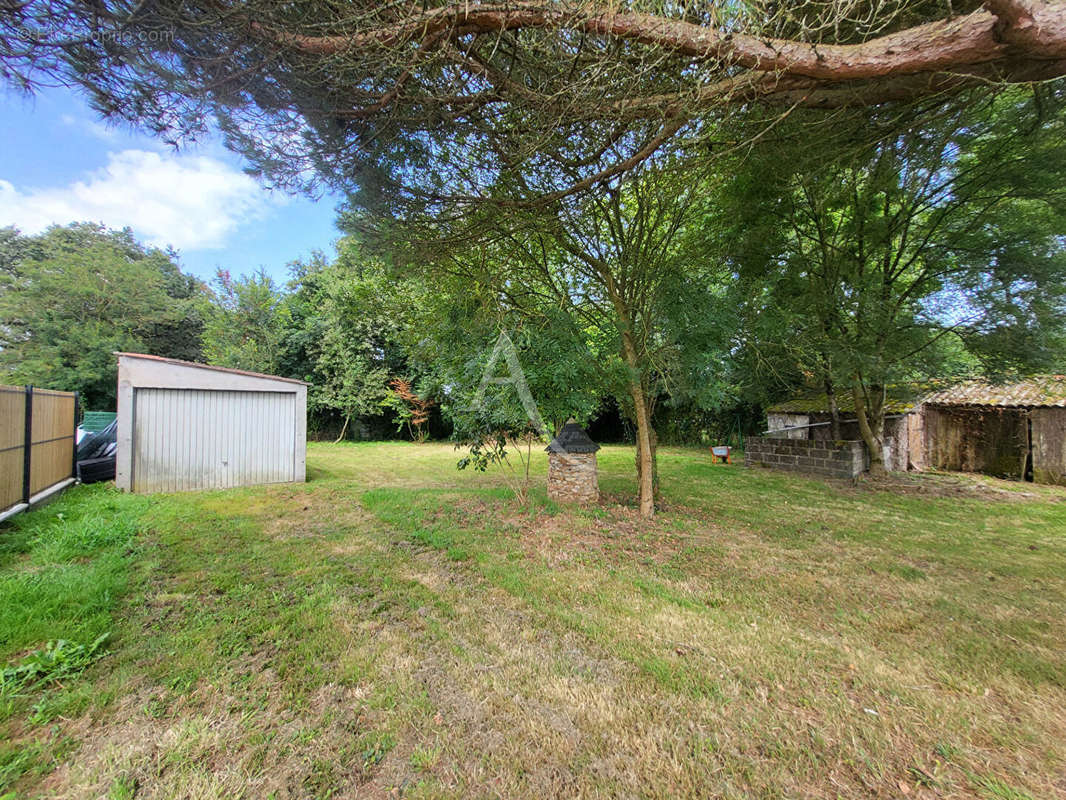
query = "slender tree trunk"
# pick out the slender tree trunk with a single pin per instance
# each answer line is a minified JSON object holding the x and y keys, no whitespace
{"x":645,"y":452}
{"x":834,"y":411}
{"x":344,"y":430}
{"x":645,"y":433}
{"x":654,"y":458}
{"x":871,"y":424}
{"x":641,"y":413}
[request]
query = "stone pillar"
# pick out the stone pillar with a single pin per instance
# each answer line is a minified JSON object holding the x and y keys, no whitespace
{"x":572,"y":466}
{"x":572,"y":478}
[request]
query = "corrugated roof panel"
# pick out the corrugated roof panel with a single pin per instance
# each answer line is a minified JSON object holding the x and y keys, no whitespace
{"x":96,"y":421}
{"x":212,"y":367}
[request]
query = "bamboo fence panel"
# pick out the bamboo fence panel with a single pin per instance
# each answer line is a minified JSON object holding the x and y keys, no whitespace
{"x":52,"y":456}
{"x":12,"y":436}
{"x":51,"y":444}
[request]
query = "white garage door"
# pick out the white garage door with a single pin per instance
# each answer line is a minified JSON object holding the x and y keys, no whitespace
{"x":197,"y":439}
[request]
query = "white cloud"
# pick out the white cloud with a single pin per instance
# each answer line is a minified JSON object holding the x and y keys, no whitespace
{"x":91,"y":127}
{"x":192,"y":203}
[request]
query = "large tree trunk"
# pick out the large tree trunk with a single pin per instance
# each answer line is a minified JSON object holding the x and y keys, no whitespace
{"x":1018,"y":41}
{"x":871,"y":419}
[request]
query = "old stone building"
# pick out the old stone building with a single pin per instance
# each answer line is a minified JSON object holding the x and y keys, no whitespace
{"x":572,"y":474}
{"x":1010,"y":430}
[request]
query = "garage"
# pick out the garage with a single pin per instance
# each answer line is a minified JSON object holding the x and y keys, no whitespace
{"x":184,"y":426}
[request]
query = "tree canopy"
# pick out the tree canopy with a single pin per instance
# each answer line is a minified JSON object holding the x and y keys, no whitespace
{"x":875,"y":259}
{"x":72,"y":296}
{"x":435,"y":106}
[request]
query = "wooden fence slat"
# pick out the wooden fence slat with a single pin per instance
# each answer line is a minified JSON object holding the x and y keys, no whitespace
{"x":12,"y":432}
{"x":1049,"y":445}
{"x":50,"y":464}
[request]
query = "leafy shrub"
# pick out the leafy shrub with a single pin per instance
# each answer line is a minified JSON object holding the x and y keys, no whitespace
{"x":58,"y":661}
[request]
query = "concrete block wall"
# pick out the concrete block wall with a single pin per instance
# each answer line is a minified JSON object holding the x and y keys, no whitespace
{"x":811,"y":456}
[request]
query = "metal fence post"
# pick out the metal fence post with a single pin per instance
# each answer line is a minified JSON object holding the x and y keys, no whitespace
{"x":27,"y":443}
{"x":74,"y":447}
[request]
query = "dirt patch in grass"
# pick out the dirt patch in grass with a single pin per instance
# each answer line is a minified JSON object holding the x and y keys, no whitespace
{"x":284,"y":511}
{"x":980,"y":487}
{"x":609,"y":531}
{"x":617,"y":535}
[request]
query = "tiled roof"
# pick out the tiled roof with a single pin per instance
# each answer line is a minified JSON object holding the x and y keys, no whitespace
{"x":1038,"y":390}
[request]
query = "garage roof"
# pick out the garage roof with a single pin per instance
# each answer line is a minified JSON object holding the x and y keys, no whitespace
{"x":230,"y":370}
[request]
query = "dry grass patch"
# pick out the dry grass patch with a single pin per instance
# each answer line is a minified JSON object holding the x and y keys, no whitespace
{"x":208,"y":743}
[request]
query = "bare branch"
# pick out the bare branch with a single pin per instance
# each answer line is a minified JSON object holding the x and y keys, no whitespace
{"x":947,"y":45}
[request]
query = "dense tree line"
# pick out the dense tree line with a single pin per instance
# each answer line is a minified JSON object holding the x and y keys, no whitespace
{"x":72,"y":296}
{"x":930,"y":252}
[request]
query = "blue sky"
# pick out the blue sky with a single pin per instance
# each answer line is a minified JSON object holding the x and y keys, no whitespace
{"x":59,"y":163}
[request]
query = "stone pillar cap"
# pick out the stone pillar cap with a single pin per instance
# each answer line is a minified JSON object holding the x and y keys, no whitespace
{"x":572,"y":439}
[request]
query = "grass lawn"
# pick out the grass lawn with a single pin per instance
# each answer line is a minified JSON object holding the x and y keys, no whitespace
{"x":398,"y":628}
